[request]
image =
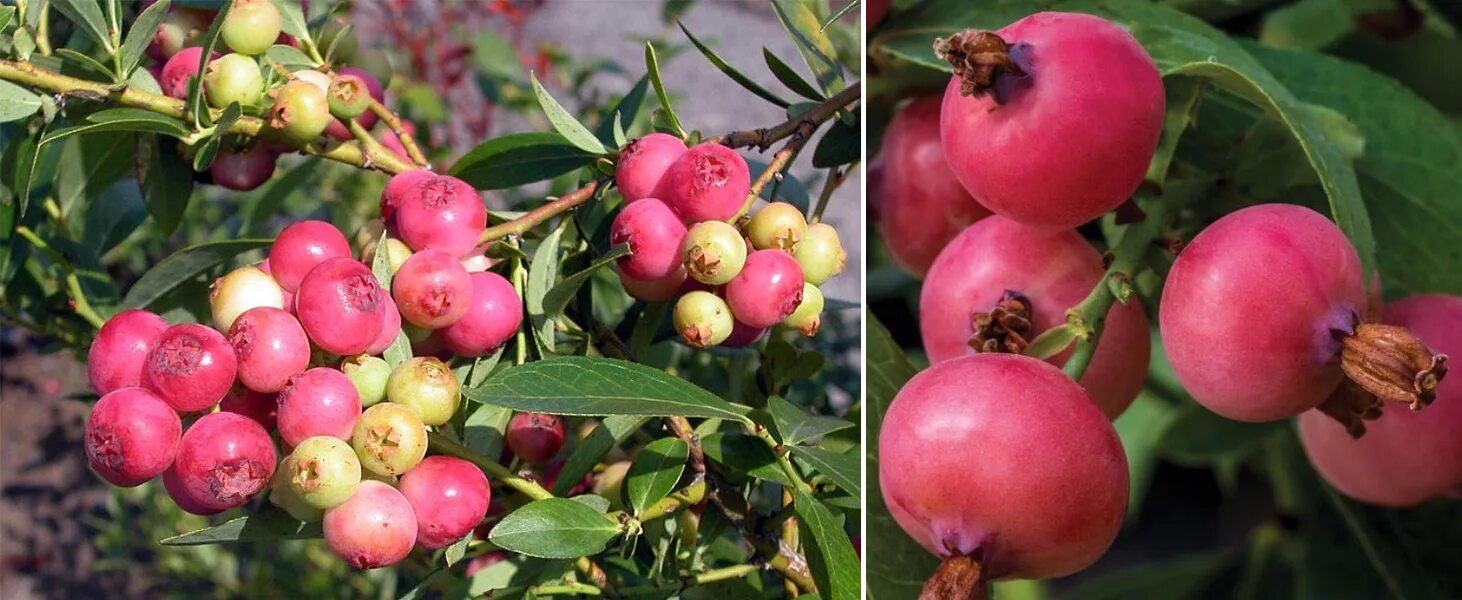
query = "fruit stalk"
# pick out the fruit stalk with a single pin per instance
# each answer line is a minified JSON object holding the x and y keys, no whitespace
{"x":957,"y":578}
{"x":1087,"y":318}
{"x":522,"y":224}
{"x":528,"y":487}
{"x":408,"y":141}
{"x":764,"y":138}
{"x":79,"y":303}
{"x":779,"y":162}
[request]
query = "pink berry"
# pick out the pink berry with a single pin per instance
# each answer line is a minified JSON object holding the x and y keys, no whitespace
{"x":1052,"y":271}
{"x":181,"y":27}
{"x":376,"y":527}
{"x":270,"y":346}
{"x":302,"y":246}
{"x":654,"y":233}
{"x":643,"y":163}
{"x":243,"y":170}
{"x":535,"y":438}
{"x":390,"y":327}
{"x":485,"y":561}
{"x":288,"y":295}
{"x":320,"y":401}
{"x":190,"y":368}
{"x":442,"y":213}
{"x":449,"y":496}
{"x":261,"y":407}
{"x":493,"y":315}
{"x":179,"y":69}
{"x":743,"y":335}
{"x":1003,"y":456}
{"x":131,"y":436}
{"x":392,"y":142}
{"x":339,"y":303}
{"x":1067,"y":138}
{"x":395,"y":189}
{"x":766,"y":290}
{"x":224,"y":460}
{"x":654,"y":290}
{"x":432,"y":289}
{"x":119,"y":351}
{"x":709,"y":182}
{"x":1249,"y":308}
{"x":172,"y":482}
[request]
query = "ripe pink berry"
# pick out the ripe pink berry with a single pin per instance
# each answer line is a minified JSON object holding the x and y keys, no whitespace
{"x":300,"y":247}
{"x":1053,"y":271}
{"x":921,"y":204}
{"x":376,"y":527}
{"x":653,"y":233}
{"x":643,"y":163}
{"x":119,"y":351}
{"x":442,"y":213}
{"x":432,"y":289}
{"x":493,"y":315}
{"x":131,"y":436}
{"x":179,"y":69}
{"x":1400,"y":459}
{"x":261,"y":407}
{"x":180,"y":27}
{"x":743,"y":335}
{"x":390,"y":327}
{"x":535,"y":438}
{"x":320,"y":401}
{"x":1066,"y":139}
{"x":270,"y":346}
{"x":288,"y":294}
{"x":766,"y":290}
{"x":1002,"y":455}
{"x":485,"y":561}
{"x":654,"y":290}
{"x":449,"y":496}
{"x":339,"y":303}
{"x":1249,"y":308}
{"x":709,"y":182}
{"x":395,"y":189}
{"x":223,"y":461}
{"x":191,"y":367}
{"x":243,"y":170}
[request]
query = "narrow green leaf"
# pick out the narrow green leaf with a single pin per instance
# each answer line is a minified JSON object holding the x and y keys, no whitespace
{"x":196,"y":102}
{"x":6,"y":13}
{"x":564,"y":123}
{"x":730,"y":71}
{"x":830,"y":554}
{"x":799,"y":19}
{"x":17,"y":102}
{"x":518,"y":158}
{"x":86,"y":61}
{"x":559,"y":295}
{"x":206,"y":152}
{"x":542,"y":271}
{"x":131,"y":121}
{"x":655,"y":472}
{"x":841,"y":145}
{"x":292,"y":19}
{"x":182,"y":267}
{"x":289,"y":56}
{"x":267,"y":524}
{"x":744,"y":454}
{"x":598,"y":503}
{"x":611,"y":432}
{"x":843,"y":469}
{"x":795,"y":425}
{"x":610,"y":129}
{"x":651,"y":317}
{"x":140,"y":34}
{"x":652,"y":67}
{"x":87,"y":14}
{"x":789,"y":76}
{"x":167,"y":182}
{"x":554,"y":528}
{"x":833,"y":18}
{"x":579,"y":385}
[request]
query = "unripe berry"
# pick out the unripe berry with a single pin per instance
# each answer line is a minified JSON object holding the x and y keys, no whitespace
{"x":643,"y":163}
{"x":767,"y":290}
{"x":320,"y":401}
{"x":609,"y":483}
{"x":368,"y":374}
{"x":390,"y":327}
{"x":282,"y":494}
{"x":395,"y":190}
{"x":654,"y":290}
{"x":376,"y":91}
{"x":536,"y":438}
{"x":340,"y":305}
{"x":808,"y":316}
{"x":702,"y":319}
{"x":300,"y":113}
{"x":820,"y":253}
{"x":449,"y":496}
{"x":233,"y":78}
{"x":179,"y":69}
{"x":709,"y":182}
{"x":243,"y":170}
{"x":300,"y":247}
{"x":494,"y":314}
{"x":432,"y":289}
{"x":389,"y":438}
{"x":119,"y":351}
{"x":323,"y":471}
{"x":426,"y":385}
{"x":131,"y":436}
{"x":223,"y":461}
{"x":260,"y":407}
{"x":348,"y":96}
{"x":191,"y":367}
{"x":777,"y":226}
{"x":442,"y":213}
{"x":376,"y":527}
{"x":713,"y":252}
{"x":270,"y":346}
{"x":242,"y":289}
{"x":654,"y":234}
{"x":251,"y":26}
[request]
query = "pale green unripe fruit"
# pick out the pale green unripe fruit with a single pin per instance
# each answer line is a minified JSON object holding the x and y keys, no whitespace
{"x":251,"y":26}
{"x":348,"y":96}
{"x":369,"y":375}
{"x":390,"y":439}
{"x":281,"y":494}
{"x":300,"y":112}
{"x":324,"y":471}
{"x":426,"y":385}
{"x":396,"y":253}
{"x":808,"y":316}
{"x":713,"y":252}
{"x":820,"y":254}
{"x":702,"y":319}
{"x":777,"y":226}
{"x":240,"y":290}
{"x":233,"y":78}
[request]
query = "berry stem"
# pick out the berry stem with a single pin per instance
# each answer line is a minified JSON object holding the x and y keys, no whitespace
{"x":834,"y":181}
{"x":959,"y":577}
{"x":79,"y":302}
{"x":1087,"y":318}
{"x":780,"y":161}
{"x":763,"y":139}
{"x":407,"y":140}
{"x":497,"y":472}
{"x":523,"y":224}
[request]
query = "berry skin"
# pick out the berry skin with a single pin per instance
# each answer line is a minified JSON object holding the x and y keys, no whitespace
{"x":767,"y":290}
{"x":368,"y":374}
{"x":323,"y":471}
{"x":243,"y":170}
{"x":777,"y":226}
{"x":281,"y":494}
{"x":432,"y":289}
{"x":251,"y":26}
{"x":1398,"y":460}
{"x":536,"y":438}
{"x":426,"y":385}
{"x":702,"y":319}
{"x":131,"y":436}
{"x":119,"y":351}
{"x":654,"y":290}
{"x":921,"y":204}
{"x":376,"y":527}
{"x":709,"y":182}
{"x":1249,"y":307}
{"x":233,"y":78}
{"x":240,"y":290}
{"x":348,"y":96}
{"x":397,"y":187}
{"x":713,"y":252}
{"x":654,"y":234}
{"x":1004,"y":455}
{"x":377,"y":91}
{"x":300,"y":112}
{"x":262,"y":408}
{"x":318,"y":79}
{"x":340,"y":304}
{"x":320,"y":401}
{"x":442,"y":213}
{"x":389,"y":438}
{"x":808,"y":316}
{"x":223,"y":461}
{"x":1097,"y":133}
{"x":449,"y":496}
{"x":288,"y":295}
{"x":181,"y":27}
{"x":300,"y":247}
{"x":494,"y":314}
{"x":643,"y":163}
{"x":179,"y":69}
{"x":610,"y":483}
{"x":820,"y":253}
{"x":743,"y":335}
{"x":191,"y":367}
{"x":390,"y":327}
{"x":270,"y":346}
{"x":1054,"y":271}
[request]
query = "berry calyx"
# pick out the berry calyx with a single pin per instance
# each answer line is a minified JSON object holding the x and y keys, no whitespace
{"x":426,"y":385}
{"x":432,"y":289}
{"x":767,"y":290}
{"x":251,"y":26}
{"x":223,"y":461}
{"x":642,"y":164}
{"x":320,"y":401}
{"x":270,"y":346}
{"x":119,"y":351}
{"x":395,"y":190}
{"x":340,"y":305}
{"x":324,"y":471}
{"x":654,"y":233}
{"x":240,"y":290}
{"x":191,"y":367}
{"x":807,"y":319}
{"x":300,"y":247}
{"x":713,"y":252}
{"x":131,"y":436}
{"x":535,"y":438}
{"x":494,"y":313}
{"x":233,"y":78}
{"x":440,"y":212}
{"x":702,"y":319}
{"x":376,"y":527}
{"x":283,"y":495}
{"x":389,"y":438}
{"x":777,"y":226}
{"x":820,"y":253}
{"x":449,"y":495}
{"x":709,"y":182}
{"x":300,"y":113}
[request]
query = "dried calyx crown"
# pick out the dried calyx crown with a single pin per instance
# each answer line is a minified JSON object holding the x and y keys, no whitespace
{"x":1006,"y":327}
{"x":978,"y":58}
{"x":1382,"y":363}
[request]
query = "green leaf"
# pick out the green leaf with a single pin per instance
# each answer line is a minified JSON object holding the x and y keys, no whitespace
{"x":579,"y":385}
{"x":518,"y":158}
{"x":1186,"y":577}
{"x":6,"y":13}
{"x":17,"y":102}
{"x":730,"y":71}
{"x":744,"y":454}
{"x":830,"y":554}
{"x":1411,"y":551}
{"x":598,"y":503}
{"x":655,"y":472}
{"x":207,"y":151}
{"x":87,"y":14}
{"x":795,"y":425}
{"x":564,"y":123}
{"x":122,"y":119}
{"x":843,"y":469}
{"x":267,"y":524}
{"x":289,"y":56}
{"x":197,"y":104}
{"x":841,"y":145}
{"x":1197,"y":436}
{"x":292,"y":20}
{"x":542,"y":271}
{"x":652,"y":67}
{"x":789,"y":77}
{"x":182,"y":267}
{"x":89,"y":165}
{"x":554,"y":528}
{"x":623,"y":114}
{"x":799,"y":18}
{"x":610,"y":433}
{"x":559,"y":295}
{"x":167,"y":182}
{"x":140,"y":34}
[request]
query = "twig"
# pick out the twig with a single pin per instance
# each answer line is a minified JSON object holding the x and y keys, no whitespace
{"x":1088,"y":318}
{"x":407,"y":140}
{"x":834,"y":181}
{"x":779,"y":162}
{"x":547,"y":211}
{"x":79,"y":303}
{"x":498,"y":472}
{"x":764,"y":138}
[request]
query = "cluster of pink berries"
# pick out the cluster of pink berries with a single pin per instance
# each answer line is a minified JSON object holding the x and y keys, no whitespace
{"x":735,"y":278}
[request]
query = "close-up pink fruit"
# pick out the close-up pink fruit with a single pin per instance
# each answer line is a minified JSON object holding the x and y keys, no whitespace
{"x":432,"y":289}
{"x":181,"y":27}
{"x":262,"y":407}
{"x":1042,"y":138}
{"x":119,"y":351}
{"x":376,"y":527}
{"x":300,"y":247}
{"x":1002,"y":458}
{"x":131,"y":436}
{"x":743,"y":335}
{"x":323,"y":471}
{"x":643,"y":163}
{"x":654,"y":233}
{"x":441,"y":212}
{"x":179,"y":69}
{"x":999,"y":284}
{"x":191,"y":367}
{"x":320,"y":401}
{"x":820,"y":253}
{"x":702,"y":319}
{"x":373,"y":87}
{"x":223,"y":461}
{"x":339,"y":303}
{"x":709,"y":182}
{"x":243,"y":170}
{"x":713,"y":252}
{"x":428,"y":386}
{"x":536,"y":438}
{"x":233,"y":78}
{"x":778,"y":225}
{"x":270,"y":346}
{"x":395,"y":189}
{"x":767,"y":289}
{"x":494,"y":314}
{"x":449,"y":496}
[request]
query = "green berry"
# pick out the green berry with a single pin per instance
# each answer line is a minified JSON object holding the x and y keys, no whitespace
{"x":777,"y":226}
{"x":348,"y":96}
{"x":702,"y":319}
{"x":369,"y":374}
{"x":233,"y":78}
{"x":820,"y":254}
{"x":396,"y":254}
{"x":426,"y":385}
{"x":301,"y":112}
{"x":251,"y":26}
{"x":808,"y":316}
{"x":389,"y":439}
{"x":324,"y":471}
{"x":713,"y":252}
{"x":281,"y":494}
